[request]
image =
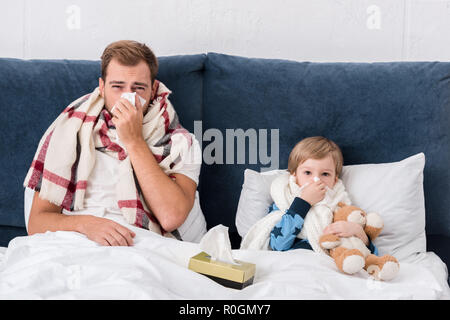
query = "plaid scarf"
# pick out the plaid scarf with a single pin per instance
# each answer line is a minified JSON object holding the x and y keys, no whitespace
{"x":66,"y":154}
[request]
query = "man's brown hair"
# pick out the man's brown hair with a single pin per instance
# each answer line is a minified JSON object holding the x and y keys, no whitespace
{"x":315,"y":148}
{"x":129,"y":53}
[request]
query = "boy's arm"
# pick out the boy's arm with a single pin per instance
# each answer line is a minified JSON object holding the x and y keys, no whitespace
{"x":349,"y":229}
{"x":284,"y":233}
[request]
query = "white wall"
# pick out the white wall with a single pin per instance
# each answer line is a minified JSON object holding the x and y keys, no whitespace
{"x":304,"y":30}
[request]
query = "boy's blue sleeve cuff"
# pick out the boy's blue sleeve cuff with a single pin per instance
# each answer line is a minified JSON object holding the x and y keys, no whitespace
{"x":372,"y":248}
{"x":300,"y":207}
{"x":281,"y":243}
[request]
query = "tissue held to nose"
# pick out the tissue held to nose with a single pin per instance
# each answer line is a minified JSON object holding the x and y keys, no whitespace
{"x":131,"y":97}
{"x":315,"y":179}
{"x":216,"y":243}
{"x":329,"y":192}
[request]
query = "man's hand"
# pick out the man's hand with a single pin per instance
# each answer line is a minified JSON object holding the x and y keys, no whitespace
{"x":106,"y":232}
{"x":128,"y":120}
{"x":347,"y":229}
{"x":46,"y":216}
{"x":314,"y":192}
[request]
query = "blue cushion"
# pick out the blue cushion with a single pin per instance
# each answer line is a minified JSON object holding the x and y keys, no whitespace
{"x":34,"y":93}
{"x":183,"y":75}
{"x":8,"y":233}
{"x":376,"y":112}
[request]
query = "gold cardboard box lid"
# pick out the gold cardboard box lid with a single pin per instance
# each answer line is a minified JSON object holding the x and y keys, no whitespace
{"x":240,"y":273}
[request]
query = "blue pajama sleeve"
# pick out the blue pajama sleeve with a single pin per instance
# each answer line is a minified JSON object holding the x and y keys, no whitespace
{"x":285,"y":232}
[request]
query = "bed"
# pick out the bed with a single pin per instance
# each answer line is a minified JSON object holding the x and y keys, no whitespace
{"x":67,"y":265}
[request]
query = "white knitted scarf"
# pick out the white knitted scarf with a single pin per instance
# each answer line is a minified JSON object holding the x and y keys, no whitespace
{"x":283,"y":190}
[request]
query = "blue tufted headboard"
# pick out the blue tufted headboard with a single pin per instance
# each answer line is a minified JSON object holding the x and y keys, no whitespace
{"x":377,"y":112}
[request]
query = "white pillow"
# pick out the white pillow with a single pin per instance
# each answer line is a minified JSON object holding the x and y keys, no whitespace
{"x":394,"y":190}
{"x":255,"y":198}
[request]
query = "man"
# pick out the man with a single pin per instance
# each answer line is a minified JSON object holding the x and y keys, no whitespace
{"x":144,"y":166}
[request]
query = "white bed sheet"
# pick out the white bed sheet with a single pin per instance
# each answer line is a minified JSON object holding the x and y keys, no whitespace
{"x":66,"y":265}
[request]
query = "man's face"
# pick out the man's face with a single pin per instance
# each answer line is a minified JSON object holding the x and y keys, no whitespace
{"x":120,"y":78}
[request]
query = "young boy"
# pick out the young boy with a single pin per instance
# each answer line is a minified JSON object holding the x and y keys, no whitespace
{"x":314,"y":165}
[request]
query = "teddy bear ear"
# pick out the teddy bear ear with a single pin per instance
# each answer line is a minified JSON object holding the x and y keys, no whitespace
{"x":341,"y":204}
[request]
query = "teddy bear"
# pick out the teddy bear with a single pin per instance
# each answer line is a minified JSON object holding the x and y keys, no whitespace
{"x":350,"y":253}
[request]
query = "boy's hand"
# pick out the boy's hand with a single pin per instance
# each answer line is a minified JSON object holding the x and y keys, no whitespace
{"x":347,"y":229}
{"x":314,"y":192}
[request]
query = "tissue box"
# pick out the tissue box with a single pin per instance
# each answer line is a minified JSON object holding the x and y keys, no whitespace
{"x":227,"y":274}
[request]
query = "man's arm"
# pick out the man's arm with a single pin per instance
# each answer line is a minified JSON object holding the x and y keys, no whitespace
{"x":170,"y":201}
{"x":46,"y":216}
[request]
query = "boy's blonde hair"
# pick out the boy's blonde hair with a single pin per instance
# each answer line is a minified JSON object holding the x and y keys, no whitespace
{"x":315,"y":148}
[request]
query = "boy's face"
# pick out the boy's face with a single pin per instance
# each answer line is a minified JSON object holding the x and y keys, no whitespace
{"x":324,"y":169}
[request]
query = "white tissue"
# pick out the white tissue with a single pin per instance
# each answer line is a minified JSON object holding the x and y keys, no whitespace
{"x":216,"y":243}
{"x":315,"y":179}
{"x":329,"y":193}
{"x":131,"y":96}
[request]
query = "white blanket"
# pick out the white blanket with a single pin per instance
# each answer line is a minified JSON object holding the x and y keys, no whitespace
{"x":67,"y":265}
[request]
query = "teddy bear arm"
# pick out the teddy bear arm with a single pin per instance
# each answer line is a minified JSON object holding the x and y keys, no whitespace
{"x":374,"y":225}
{"x":329,"y":241}
{"x":372,"y":232}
